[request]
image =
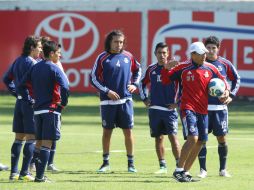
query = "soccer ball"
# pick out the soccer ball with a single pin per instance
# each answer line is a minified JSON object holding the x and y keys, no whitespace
{"x":216,"y":87}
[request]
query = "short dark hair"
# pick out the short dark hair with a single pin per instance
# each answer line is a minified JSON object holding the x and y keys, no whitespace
{"x":50,"y":46}
{"x":212,"y":40}
{"x":30,"y":41}
{"x":45,"y":39}
{"x":109,"y":39}
{"x":160,"y":45}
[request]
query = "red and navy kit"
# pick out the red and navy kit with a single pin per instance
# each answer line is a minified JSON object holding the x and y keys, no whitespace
{"x":229,"y":72}
{"x":193,"y":81}
{"x":115,"y":72}
{"x":49,"y":85}
{"x":160,"y":95}
{"x":162,"y":120}
{"x":23,"y":120}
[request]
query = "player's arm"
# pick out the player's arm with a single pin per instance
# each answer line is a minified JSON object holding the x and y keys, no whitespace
{"x":143,"y":91}
{"x":170,"y":73}
{"x":136,"y":75}
{"x":22,"y":87}
{"x":64,"y":88}
{"x":96,"y":77}
{"x":8,"y":81}
{"x":234,"y":77}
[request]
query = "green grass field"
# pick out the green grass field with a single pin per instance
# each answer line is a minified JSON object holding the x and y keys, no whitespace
{"x":79,"y":152}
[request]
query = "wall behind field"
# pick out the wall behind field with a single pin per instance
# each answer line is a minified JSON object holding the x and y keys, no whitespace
{"x":81,"y":25}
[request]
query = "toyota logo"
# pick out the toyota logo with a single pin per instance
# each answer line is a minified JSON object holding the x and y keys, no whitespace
{"x":71,"y":28}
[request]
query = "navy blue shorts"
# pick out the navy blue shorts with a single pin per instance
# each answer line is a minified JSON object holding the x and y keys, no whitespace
{"x":163,"y":122}
{"x":218,"y":122}
{"x":194,"y":124}
{"x":23,"y":120}
{"x":47,"y":126}
{"x":120,"y":115}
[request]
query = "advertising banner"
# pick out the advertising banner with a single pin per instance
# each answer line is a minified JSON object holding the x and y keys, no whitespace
{"x":81,"y":35}
{"x":180,"y":28}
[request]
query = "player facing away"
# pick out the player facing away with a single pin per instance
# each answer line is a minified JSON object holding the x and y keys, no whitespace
{"x":116,"y":75}
{"x":218,"y":111}
{"x":23,"y":121}
{"x":50,"y":91}
{"x":163,"y":117}
{"x":193,"y":76}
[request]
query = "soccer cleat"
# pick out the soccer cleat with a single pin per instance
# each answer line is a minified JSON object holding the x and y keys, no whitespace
{"x":202,"y":174}
{"x":32,"y":167}
{"x":52,"y":168}
{"x":26,"y":178}
{"x":14,"y":177}
{"x":132,"y":169}
{"x":103,"y":168}
{"x":3,"y":167}
{"x":162,"y":170}
{"x":42,"y":180}
{"x":224,"y":173}
{"x":181,"y":177}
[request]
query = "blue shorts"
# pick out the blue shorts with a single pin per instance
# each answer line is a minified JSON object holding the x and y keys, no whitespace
{"x":218,"y":122}
{"x":23,"y":120}
{"x":194,"y":124}
{"x":163,"y":122}
{"x":120,"y":115}
{"x":47,"y":126}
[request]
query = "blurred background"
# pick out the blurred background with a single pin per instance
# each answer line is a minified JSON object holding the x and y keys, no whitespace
{"x":81,"y":25}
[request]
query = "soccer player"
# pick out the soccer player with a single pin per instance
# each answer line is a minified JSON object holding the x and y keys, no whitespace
{"x":218,"y":111}
{"x":23,"y":121}
{"x":163,"y":117}
{"x":50,"y":90}
{"x":116,"y":75}
{"x":193,"y":76}
{"x":51,"y":166}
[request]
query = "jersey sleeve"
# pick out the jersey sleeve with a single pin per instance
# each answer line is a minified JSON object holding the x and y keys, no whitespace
{"x":234,"y":77}
{"x":64,"y":87}
{"x":96,"y":76}
{"x":8,"y":81}
{"x":145,"y":80}
{"x":136,"y":72}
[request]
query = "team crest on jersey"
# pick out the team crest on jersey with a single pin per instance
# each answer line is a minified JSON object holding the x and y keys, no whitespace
{"x":206,"y":74}
{"x":126,"y":60}
{"x":219,"y":68}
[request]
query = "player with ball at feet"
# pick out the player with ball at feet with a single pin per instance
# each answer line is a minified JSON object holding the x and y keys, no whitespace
{"x":193,"y":76}
{"x":217,"y":107}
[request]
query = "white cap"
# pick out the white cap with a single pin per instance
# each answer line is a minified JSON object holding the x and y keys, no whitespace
{"x":198,"y":47}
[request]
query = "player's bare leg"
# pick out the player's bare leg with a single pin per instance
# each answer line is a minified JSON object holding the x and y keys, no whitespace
{"x":176,"y":148}
{"x":129,"y":144}
{"x":106,"y":137}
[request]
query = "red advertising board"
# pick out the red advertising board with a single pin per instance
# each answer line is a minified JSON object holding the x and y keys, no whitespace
{"x":180,"y":28}
{"x":81,"y":34}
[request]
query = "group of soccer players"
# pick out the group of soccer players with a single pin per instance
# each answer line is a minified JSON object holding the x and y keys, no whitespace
{"x":116,"y":75}
{"x":41,"y":90}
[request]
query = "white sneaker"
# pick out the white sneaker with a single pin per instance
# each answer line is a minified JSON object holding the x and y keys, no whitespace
{"x":3,"y":167}
{"x":32,"y":167}
{"x":202,"y":174}
{"x":104,"y":168}
{"x":162,"y":170}
{"x":52,"y":168}
{"x":224,"y":173}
